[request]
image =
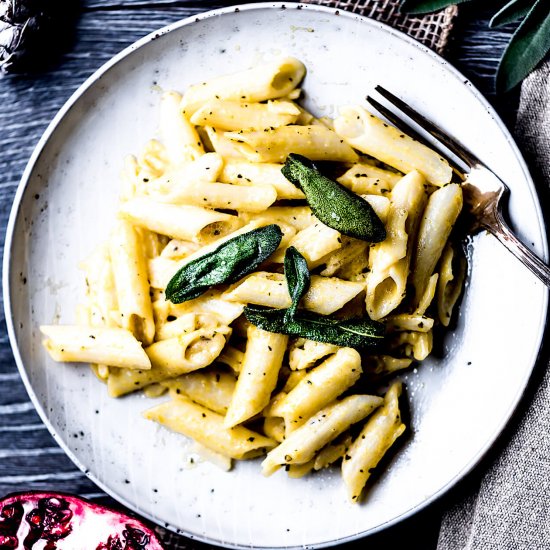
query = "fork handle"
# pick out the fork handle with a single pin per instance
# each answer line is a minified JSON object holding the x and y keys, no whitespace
{"x":499,"y":228}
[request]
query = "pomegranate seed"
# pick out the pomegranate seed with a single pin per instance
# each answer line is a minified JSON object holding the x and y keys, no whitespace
{"x":11,"y":510}
{"x":34,"y":517}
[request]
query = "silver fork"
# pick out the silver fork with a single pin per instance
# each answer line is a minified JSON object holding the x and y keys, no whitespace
{"x":483,"y":190}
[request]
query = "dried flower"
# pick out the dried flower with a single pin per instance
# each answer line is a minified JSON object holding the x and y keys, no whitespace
{"x":34,"y":32}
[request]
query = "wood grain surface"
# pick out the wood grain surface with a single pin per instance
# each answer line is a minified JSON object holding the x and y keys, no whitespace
{"x":29,"y":457}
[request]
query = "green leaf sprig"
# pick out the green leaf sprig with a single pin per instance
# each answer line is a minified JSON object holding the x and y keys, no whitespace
{"x":334,"y":204}
{"x":298,"y":279}
{"x":353,"y":333}
{"x":528,"y":46}
{"x":512,"y":11}
{"x":228,"y":263}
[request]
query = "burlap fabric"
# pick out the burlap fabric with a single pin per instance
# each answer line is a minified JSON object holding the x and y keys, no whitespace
{"x":507,"y":506}
{"x":432,"y":30}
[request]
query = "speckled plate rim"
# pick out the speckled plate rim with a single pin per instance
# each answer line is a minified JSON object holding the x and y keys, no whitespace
{"x":93,"y":79}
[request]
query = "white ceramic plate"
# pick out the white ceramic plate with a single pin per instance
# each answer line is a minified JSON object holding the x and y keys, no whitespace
{"x":66,"y":204}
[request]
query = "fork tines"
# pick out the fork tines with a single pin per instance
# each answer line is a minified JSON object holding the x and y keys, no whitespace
{"x":437,"y":134}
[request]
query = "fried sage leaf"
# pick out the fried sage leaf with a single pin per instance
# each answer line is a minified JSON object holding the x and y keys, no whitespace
{"x":231,"y":261}
{"x":353,"y":333}
{"x":334,"y":204}
{"x":297,"y":278}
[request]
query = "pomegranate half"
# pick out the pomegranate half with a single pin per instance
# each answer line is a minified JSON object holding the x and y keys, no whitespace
{"x":50,"y":521}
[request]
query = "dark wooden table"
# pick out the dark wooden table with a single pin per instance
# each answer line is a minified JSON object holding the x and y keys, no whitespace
{"x":29,"y":457}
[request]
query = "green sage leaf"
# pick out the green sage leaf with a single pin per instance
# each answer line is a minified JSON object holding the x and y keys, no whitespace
{"x":231,"y":261}
{"x":297,"y":278}
{"x":353,"y":333}
{"x":426,"y":6}
{"x":528,"y":47}
{"x":334,"y":204}
{"x":512,"y":11}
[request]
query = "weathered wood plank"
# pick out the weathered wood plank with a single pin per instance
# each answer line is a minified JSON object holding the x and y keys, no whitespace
{"x":71,"y":482}
{"x":475,"y":50}
{"x":119,"y":5}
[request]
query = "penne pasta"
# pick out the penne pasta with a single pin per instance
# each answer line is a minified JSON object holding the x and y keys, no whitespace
{"x":179,"y":137}
{"x":210,"y":303}
{"x":373,"y":136}
{"x":242,"y":172}
{"x":151,"y":163}
{"x":303,"y":443}
{"x":325,"y":295}
{"x":189,"y":223}
{"x":131,"y":281}
{"x":270,"y":80}
{"x":205,"y":168}
{"x":217,"y":142}
{"x":232,"y":357}
{"x":428,"y":295}
{"x":380,"y":204}
{"x":349,"y":250}
{"x":314,"y":243}
{"x":207,"y":427}
{"x":414,"y":345}
{"x":101,"y":307}
{"x":154,"y":390}
{"x":169,"y":359}
{"x":115,"y":347}
{"x":331,"y":453}
{"x":450,"y":282}
{"x":296,"y":471}
{"x":298,"y":217}
{"x":177,"y":250}
{"x":385,"y":364}
{"x":408,"y":322}
{"x":367,"y":179}
{"x":275,"y":428}
{"x":274,"y":145}
{"x":236,"y":115}
{"x":211,"y":389}
{"x":319,"y":387}
{"x":442,"y":210}
{"x":304,"y":353}
{"x":260,"y":367}
{"x":390,"y":260}
{"x":294,"y":378}
{"x":376,"y":437}
{"x":222,"y":195}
